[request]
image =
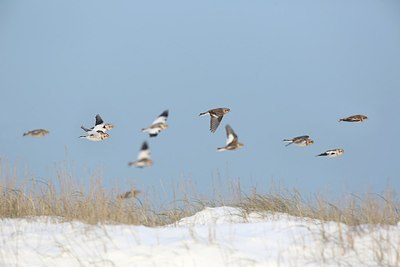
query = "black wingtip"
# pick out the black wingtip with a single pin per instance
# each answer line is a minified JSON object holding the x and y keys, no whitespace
{"x":99,"y":120}
{"x":84,"y":128}
{"x":145,"y":146}
{"x":229,"y":130}
{"x":153,"y":135}
{"x":164,"y":114}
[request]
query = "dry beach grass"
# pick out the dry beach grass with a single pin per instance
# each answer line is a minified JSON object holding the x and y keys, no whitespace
{"x":94,"y":203}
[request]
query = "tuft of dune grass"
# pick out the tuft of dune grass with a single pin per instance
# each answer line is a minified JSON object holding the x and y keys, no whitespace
{"x":352,"y":210}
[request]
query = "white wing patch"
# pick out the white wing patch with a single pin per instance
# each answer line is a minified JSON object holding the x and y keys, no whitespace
{"x":144,"y":154}
{"x":98,"y":127}
{"x":230,"y":138}
{"x":332,"y":153}
{"x":230,"y":134}
{"x":160,"y":119}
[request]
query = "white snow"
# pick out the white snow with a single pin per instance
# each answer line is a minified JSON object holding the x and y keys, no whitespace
{"x":222,"y":236}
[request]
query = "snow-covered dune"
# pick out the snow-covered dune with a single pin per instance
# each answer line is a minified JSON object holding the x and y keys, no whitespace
{"x":223,"y":236}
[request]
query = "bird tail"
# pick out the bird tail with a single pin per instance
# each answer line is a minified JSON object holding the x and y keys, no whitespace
{"x":289,"y":142}
{"x":220,"y":149}
{"x":203,"y":113}
{"x":25,"y":134}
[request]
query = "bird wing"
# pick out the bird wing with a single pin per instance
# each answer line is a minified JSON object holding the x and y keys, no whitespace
{"x":162,"y":118}
{"x":300,"y":139}
{"x":230,"y":135}
{"x":328,"y":153}
{"x":331,"y":152}
{"x":98,"y":128}
{"x":214,"y":123}
{"x":353,"y":118}
{"x":144,"y":152}
{"x":303,"y":137}
{"x":99,"y":120}
{"x":86,"y":129}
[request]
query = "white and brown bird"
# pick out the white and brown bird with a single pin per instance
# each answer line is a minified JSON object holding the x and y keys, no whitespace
{"x":95,"y":136}
{"x":303,"y":140}
{"x":143,"y":159}
{"x":99,"y":126}
{"x":355,"y":118}
{"x":216,"y":116}
{"x":332,"y":153}
{"x":36,"y":133}
{"x":158,"y":125}
{"x":133,"y":193}
{"x":232,"y":141}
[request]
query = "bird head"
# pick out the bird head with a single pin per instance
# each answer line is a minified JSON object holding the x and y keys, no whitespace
{"x":226,"y":110}
{"x":108,"y":126}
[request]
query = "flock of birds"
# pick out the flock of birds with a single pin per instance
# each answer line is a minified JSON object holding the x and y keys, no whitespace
{"x":305,"y":140}
{"x":99,"y":133}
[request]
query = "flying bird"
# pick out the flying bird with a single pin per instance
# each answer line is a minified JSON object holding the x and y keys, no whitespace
{"x":355,"y":118}
{"x":143,"y":159}
{"x":232,"y":142}
{"x":158,"y":125}
{"x":303,"y":140}
{"x":95,"y":136}
{"x":216,"y":116}
{"x":99,"y":126}
{"x":332,"y":153}
{"x":133,"y":193}
{"x":37,"y":133}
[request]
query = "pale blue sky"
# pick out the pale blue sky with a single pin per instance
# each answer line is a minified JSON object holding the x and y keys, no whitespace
{"x":285,"y":68}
